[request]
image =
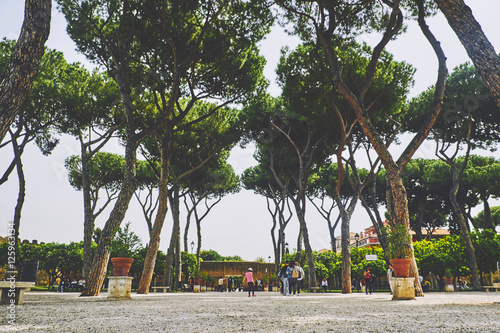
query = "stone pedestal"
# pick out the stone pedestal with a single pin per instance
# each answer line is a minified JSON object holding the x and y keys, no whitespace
{"x":449,"y":287}
{"x":119,"y":287}
{"x":196,"y":288}
{"x":403,"y":289}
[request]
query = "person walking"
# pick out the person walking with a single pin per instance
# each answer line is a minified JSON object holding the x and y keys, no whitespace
{"x":390,"y":277}
{"x":284,"y":279}
{"x":368,"y":280}
{"x":230,"y":282}
{"x":300,"y":279}
{"x":293,"y":275}
{"x":221,"y":284}
{"x":250,"y":281}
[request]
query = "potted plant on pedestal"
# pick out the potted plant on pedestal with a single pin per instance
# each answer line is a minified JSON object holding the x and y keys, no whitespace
{"x":399,"y":250}
{"x":265,"y":281}
{"x":448,"y":277}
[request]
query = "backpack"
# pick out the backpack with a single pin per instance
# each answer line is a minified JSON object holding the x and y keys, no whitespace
{"x":295,"y":273}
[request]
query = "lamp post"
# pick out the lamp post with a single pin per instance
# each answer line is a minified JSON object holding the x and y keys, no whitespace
{"x":356,"y":237}
{"x":269,"y":258}
{"x":192,"y":246}
{"x":286,"y":248}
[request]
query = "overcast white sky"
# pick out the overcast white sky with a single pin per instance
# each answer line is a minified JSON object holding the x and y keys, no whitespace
{"x":240,"y":224}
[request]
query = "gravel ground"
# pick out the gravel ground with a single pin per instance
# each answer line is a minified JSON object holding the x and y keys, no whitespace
{"x":267,"y":312}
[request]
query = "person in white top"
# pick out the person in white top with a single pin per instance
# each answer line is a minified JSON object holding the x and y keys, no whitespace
{"x":324,"y":284}
{"x":300,"y":279}
{"x":390,"y":276}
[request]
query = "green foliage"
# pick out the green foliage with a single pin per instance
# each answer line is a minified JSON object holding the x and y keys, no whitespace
{"x":480,"y":219}
{"x":105,"y":170}
{"x":125,"y":242}
{"x":233,"y":258}
{"x":189,"y":264}
{"x":438,"y":255}
{"x":465,"y":95}
{"x":359,"y":262}
{"x":399,"y":239}
{"x":211,"y":255}
{"x":487,"y":250}
{"x":54,"y":258}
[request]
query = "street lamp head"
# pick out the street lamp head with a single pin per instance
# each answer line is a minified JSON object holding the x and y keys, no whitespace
{"x":356,"y":237}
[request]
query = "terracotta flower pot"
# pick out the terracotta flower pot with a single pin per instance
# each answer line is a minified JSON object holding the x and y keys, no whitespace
{"x":401,"y":267}
{"x":448,"y":281}
{"x":121,"y":266}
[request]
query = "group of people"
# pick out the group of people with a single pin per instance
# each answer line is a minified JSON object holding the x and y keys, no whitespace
{"x":230,"y":284}
{"x":292,"y":278}
{"x":66,"y":285}
{"x":370,"y":279}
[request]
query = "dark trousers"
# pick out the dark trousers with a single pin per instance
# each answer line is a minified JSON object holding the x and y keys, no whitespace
{"x":292,"y":285}
{"x":300,"y":285}
{"x":369,"y":285}
{"x":251,"y":288}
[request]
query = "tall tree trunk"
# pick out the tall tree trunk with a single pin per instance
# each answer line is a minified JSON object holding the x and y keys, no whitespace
{"x":154,"y":242}
{"x":188,"y":222}
{"x":88,"y":222}
{"x":178,"y":263}
{"x":346,"y":254}
{"x":300,"y":239}
{"x":331,"y":229}
{"x":174,"y":239}
{"x":101,"y":257}
{"x":477,"y":45}
{"x":345,"y":228}
{"x":25,"y":61}
{"x":307,"y":245}
{"x":464,"y":231}
{"x":488,"y":219}
{"x":198,"y":247}
{"x":275,"y":217}
{"x":20,"y":197}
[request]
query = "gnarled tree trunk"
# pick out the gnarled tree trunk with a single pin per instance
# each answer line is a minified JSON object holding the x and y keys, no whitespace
{"x":154,"y":242}
{"x":477,"y":45}
{"x":25,"y":61}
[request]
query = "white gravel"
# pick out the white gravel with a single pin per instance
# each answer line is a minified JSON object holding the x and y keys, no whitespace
{"x":267,"y":312}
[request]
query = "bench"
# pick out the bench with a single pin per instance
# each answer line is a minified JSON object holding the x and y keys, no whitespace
{"x":316,"y":289}
{"x":18,"y":287}
{"x":487,"y":288}
{"x":165,"y":289}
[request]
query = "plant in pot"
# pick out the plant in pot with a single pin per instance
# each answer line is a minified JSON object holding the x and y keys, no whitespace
{"x":204,"y":278}
{"x":274,"y":280}
{"x":448,"y":276}
{"x":399,"y":241}
{"x":265,"y":281}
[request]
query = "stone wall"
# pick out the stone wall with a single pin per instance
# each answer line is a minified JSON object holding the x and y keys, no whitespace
{"x":217,"y":269}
